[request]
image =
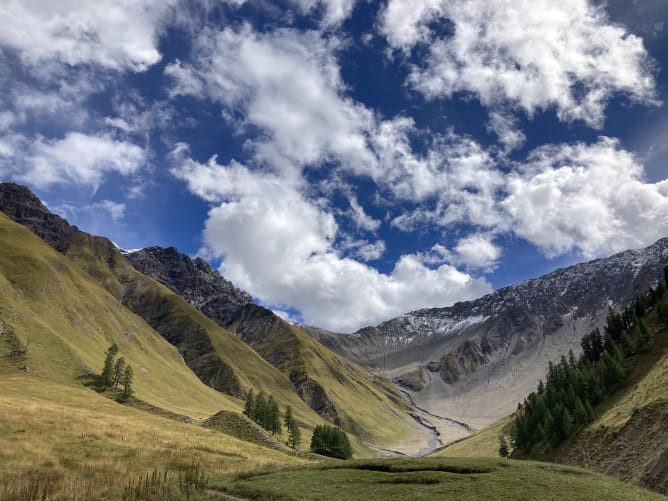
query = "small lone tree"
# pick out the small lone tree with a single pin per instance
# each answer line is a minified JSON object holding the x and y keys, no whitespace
{"x":128,"y":377}
{"x":108,"y":371}
{"x":504,"y":448}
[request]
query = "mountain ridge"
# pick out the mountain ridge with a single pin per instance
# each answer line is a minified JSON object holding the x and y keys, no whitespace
{"x":475,"y":360}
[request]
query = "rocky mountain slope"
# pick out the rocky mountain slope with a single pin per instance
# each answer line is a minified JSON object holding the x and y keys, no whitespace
{"x":192,"y":279}
{"x":474,"y":361}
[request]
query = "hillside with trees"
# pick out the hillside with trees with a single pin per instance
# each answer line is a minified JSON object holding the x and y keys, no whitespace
{"x":610,"y":405}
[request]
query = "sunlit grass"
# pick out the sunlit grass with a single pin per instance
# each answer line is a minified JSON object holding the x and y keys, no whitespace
{"x":70,"y":439}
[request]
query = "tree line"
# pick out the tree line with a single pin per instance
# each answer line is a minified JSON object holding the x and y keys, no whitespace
{"x":265,"y":412}
{"x":564,"y":403}
{"x":326,"y":440}
{"x":331,"y":441}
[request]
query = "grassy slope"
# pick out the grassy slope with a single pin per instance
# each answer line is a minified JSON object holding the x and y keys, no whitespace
{"x":163,"y":308}
{"x":629,"y":437}
{"x":340,"y":390}
{"x":362,"y":400}
{"x":433,"y":478}
{"x":484,"y":443}
{"x":67,"y":322}
{"x":68,"y":441}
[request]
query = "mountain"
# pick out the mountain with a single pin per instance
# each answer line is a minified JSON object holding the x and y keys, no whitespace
{"x":333,"y":387}
{"x":217,"y":357}
{"x":628,"y":435}
{"x":56,"y":323}
{"x":315,"y":381}
{"x":475,"y":361}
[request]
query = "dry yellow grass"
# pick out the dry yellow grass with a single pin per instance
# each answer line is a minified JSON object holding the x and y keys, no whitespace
{"x":71,"y":440}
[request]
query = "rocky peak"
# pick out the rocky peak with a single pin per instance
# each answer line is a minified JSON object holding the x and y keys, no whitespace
{"x":192,"y":279}
{"x":23,"y":206}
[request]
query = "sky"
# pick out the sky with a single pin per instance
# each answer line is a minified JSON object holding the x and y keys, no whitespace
{"x":345,"y":161}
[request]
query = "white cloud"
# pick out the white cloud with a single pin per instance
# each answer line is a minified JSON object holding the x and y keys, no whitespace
{"x":280,"y":246}
{"x":454,"y":180}
{"x":76,"y":159}
{"x":477,"y":251}
{"x":335,"y":11}
{"x":116,"y":210}
{"x":92,"y":214}
{"x":361,"y":218}
{"x":586,"y":197}
{"x":530,"y":54}
{"x":406,"y":23}
{"x":363,"y":249}
{"x":112,"y":34}
{"x":505,"y":128}
{"x":286,"y":83}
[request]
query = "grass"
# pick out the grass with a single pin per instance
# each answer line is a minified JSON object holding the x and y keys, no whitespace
{"x":65,"y":441}
{"x":432,"y":478}
{"x":484,"y":443}
{"x":172,"y":315}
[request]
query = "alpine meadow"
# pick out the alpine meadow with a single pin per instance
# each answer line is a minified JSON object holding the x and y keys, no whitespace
{"x":333,"y":249}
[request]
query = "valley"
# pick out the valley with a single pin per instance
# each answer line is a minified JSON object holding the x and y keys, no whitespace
{"x":437,"y":382}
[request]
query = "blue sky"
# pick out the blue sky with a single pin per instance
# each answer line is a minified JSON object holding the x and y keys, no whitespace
{"x":346,"y":161}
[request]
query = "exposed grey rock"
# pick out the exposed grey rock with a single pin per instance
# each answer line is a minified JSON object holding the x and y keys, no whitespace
{"x":192,"y":279}
{"x":23,"y":206}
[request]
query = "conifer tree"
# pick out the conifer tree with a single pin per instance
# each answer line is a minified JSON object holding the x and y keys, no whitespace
{"x":119,"y":370}
{"x":288,"y":419}
{"x":273,"y":422}
{"x":295,"y":436}
{"x":662,"y":310}
{"x":249,"y":406}
{"x":128,"y":377}
{"x":330,"y":441}
{"x":108,"y":371}
{"x":260,"y":415}
{"x":504,"y":450}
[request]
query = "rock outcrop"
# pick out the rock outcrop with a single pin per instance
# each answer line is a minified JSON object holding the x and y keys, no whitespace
{"x":192,"y":279}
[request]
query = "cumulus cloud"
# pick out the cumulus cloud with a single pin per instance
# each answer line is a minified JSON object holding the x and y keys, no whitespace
{"x":587,"y":197}
{"x":286,"y":83}
{"x":477,"y":251}
{"x":280,"y":246}
{"x":531,"y":54}
{"x":407,"y":23}
{"x":77,"y":159}
{"x":106,"y":33}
